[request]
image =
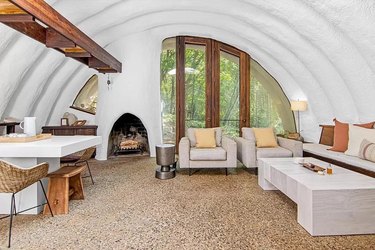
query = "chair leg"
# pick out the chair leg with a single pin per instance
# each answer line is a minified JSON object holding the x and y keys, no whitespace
{"x":12,"y":204}
{"x":45,"y":196}
{"x":189,"y":171}
{"x":226,"y":171}
{"x":88,"y":167}
{"x":15,"y":210}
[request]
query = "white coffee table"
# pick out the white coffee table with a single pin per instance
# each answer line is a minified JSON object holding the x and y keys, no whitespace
{"x":339,"y":204}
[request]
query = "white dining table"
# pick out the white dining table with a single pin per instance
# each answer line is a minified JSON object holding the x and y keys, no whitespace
{"x":29,"y":154}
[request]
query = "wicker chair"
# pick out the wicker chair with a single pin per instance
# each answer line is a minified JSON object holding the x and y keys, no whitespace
{"x":76,"y":160}
{"x":14,"y":179}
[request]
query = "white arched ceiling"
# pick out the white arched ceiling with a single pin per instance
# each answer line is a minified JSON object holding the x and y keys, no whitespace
{"x":322,"y":51}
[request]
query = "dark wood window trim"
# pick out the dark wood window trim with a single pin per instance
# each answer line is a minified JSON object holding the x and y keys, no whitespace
{"x":212,"y":52}
{"x":82,"y":110}
{"x":180,"y":88}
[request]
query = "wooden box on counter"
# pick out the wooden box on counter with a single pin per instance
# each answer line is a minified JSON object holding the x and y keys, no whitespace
{"x":70,"y":130}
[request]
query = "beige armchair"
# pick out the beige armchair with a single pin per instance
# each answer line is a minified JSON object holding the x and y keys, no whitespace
{"x":224,"y":155}
{"x":248,"y":153}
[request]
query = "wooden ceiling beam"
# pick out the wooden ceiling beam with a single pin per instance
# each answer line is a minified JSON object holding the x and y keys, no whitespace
{"x":95,"y":63}
{"x":104,"y":71}
{"x":50,"y":17}
{"x":76,"y":52}
{"x":16,"y":18}
{"x":6,"y":7}
{"x":33,"y":30}
{"x":56,"y":40}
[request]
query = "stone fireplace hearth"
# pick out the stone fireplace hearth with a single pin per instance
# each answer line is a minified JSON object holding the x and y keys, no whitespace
{"x":128,"y":137}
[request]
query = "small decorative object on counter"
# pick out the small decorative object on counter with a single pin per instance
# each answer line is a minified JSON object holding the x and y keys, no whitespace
{"x":329,"y":169}
{"x":28,"y":126}
{"x":64,"y":122}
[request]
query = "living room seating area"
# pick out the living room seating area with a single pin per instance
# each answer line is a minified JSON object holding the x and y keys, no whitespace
{"x":212,"y":150}
{"x":249,"y":149}
{"x":217,"y":124}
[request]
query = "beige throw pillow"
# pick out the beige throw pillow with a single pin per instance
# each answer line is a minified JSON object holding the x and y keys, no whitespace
{"x":356,"y":136}
{"x":265,"y":138}
{"x":193,"y":142}
{"x":367,"y":151}
{"x":205,"y":138}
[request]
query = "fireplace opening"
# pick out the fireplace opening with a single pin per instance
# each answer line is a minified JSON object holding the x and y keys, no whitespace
{"x":128,"y":137}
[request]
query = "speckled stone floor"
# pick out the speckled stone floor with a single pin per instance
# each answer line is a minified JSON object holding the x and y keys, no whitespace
{"x":128,"y":208}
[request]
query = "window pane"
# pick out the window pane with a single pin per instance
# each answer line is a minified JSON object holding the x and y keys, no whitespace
{"x":168,"y":90}
{"x":195,"y":86}
{"x":269,"y":106}
{"x":229,"y":93}
{"x":87,"y":97}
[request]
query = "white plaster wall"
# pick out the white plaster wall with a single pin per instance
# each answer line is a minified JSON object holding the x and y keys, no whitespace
{"x":136,"y":91}
{"x":321,"y":51}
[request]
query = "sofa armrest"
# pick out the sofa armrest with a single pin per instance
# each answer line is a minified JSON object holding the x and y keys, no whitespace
{"x":184,"y":152}
{"x":230,"y":147}
{"x":246,"y":152}
{"x":295,"y":146}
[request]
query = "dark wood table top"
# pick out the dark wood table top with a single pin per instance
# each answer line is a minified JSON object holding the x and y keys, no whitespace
{"x":9,"y":123}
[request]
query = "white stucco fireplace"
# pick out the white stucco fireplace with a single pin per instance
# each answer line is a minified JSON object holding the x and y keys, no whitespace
{"x":128,"y":137}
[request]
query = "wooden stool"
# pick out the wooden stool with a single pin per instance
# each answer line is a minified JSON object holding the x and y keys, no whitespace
{"x":64,"y":184}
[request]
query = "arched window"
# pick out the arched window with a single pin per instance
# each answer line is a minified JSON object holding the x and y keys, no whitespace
{"x":269,"y":107}
{"x":206,"y":83}
{"x":87,"y":96}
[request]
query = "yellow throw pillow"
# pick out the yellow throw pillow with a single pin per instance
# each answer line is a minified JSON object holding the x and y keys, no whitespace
{"x":205,"y":138}
{"x":265,"y":137}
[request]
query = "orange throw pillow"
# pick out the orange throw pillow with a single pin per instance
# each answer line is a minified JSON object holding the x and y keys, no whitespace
{"x":341,"y":134}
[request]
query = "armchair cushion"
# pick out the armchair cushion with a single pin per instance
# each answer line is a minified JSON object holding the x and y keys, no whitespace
{"x":265,"y":137}
{"x":273,"y":152}
{"x":208,"y":154}
{"x":205,"y":138}
{"x":193,"y":141}
{"x":248,"y":153}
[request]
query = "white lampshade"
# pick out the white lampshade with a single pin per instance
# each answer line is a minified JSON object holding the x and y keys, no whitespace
{"x":298,"y":105}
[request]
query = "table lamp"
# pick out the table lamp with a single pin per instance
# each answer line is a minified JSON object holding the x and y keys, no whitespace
{"x":298,"y":106}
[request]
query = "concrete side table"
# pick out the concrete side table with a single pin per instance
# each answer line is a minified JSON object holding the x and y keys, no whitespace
{"x":165,"y":157}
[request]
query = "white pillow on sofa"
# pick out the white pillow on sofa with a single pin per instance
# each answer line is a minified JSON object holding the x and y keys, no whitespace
{"x":356,"y":136}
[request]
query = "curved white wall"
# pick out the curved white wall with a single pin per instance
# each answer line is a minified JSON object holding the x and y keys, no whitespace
{"x":322,"y":51}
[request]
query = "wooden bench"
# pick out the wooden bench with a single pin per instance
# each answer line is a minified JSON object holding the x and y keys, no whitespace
{"x":64,"y":184}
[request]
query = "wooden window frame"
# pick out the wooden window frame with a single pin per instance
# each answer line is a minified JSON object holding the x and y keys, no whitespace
{"x":212,"y":52}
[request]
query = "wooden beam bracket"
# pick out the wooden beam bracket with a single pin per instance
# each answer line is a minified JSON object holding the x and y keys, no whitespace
{"x":56,"y":40}
{"x":16,"y":18}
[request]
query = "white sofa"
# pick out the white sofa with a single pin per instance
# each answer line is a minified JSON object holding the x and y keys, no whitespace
{"x":224,"y":155}
{"x":248,"y":153}
{"x":321,"y":151}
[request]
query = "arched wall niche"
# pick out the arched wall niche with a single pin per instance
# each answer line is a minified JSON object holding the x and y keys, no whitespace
{"x":128,"y":136}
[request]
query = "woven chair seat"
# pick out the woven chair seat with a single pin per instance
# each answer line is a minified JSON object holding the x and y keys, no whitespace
{"x":14,"y":178}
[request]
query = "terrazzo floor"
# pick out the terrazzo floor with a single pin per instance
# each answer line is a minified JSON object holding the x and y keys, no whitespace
{"x":128,"y":208}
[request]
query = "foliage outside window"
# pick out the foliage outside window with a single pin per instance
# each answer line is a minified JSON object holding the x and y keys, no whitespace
{"x":87,"y":96}
{"x":168,"y":90}
{"x":269,"y":107}
{"x":195,"y":86}
{"x":229,"y":93}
